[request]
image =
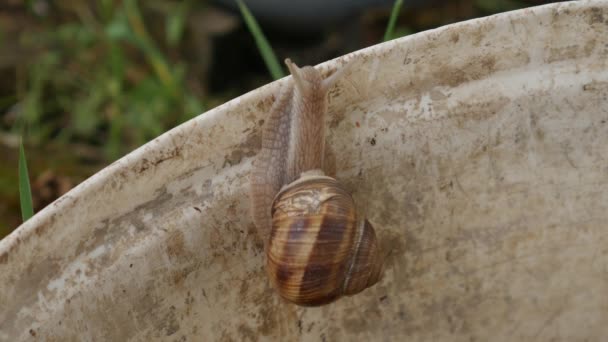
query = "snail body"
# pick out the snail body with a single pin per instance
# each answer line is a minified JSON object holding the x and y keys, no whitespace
{"x":317,"y":247}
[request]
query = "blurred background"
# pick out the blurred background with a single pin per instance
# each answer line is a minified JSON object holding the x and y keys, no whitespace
{"x":85,"y":82}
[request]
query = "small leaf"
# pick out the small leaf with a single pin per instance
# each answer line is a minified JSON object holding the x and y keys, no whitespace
{"x":25,"y":191}
{"x":268,"y":55}
{"x":388,"y":35}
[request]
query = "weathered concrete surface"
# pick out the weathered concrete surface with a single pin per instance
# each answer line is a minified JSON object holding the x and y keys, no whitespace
{"x":478,"y":150}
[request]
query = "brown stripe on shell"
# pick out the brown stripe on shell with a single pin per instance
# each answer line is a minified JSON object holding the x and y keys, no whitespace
{"x":283,"y":274}
{"x":287,"y":256}
{"x":315,"y":288}
{"x":281,"y":267}
{"x":326,"y":267}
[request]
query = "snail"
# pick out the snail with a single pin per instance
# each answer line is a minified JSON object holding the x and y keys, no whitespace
{"x":317,"y":247}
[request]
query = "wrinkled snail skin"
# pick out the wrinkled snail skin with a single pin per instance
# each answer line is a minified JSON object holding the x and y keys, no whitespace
{"x":317,"y":248}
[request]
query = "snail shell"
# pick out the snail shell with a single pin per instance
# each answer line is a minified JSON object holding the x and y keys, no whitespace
{"x":319,"y":250}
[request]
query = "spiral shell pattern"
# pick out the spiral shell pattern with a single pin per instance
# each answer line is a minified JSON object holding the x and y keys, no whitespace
{"x":318,"y":249}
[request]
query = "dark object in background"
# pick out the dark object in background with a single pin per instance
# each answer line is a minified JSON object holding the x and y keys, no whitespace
{"x":310,"y":16}
{"x":313,"y":31}
{"x":307,"y":16}
{"x":310,"y":31}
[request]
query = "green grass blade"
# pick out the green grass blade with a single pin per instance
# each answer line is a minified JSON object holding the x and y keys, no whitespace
{"x":388,"y":35}
{"x":272,"y":63}
{"x":25,"y":192}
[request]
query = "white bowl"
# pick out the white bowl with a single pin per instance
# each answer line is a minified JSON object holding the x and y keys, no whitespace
{"x":478,"y":150}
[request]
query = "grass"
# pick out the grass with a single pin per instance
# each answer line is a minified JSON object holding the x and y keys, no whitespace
{"x":390,"y":27}
{"x":99,"y":79}
{"x":267,"y":53}
{"x":272,"y":63}
{"x":102,"y":80}
{"x":25,"y":191}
